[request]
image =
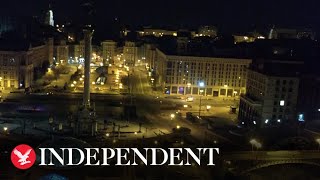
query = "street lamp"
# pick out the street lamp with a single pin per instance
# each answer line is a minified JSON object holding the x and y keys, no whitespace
{"x":201,"y":84}
{"x":318,"y":141}
{"x":208,"y":107}
{"x":5,"y":129}
{"x":178,"y":127}
{"x":172,"y":116}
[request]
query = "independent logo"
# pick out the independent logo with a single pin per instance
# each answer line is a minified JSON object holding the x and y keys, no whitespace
{"x":23,"y":156}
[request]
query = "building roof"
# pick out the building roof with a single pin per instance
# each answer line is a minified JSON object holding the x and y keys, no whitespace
{"x":279,"y":68}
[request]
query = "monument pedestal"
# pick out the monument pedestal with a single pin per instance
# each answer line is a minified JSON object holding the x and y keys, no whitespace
{"x":86,"y":123}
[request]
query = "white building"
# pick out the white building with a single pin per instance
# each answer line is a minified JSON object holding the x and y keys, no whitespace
{"x":210,"y":76}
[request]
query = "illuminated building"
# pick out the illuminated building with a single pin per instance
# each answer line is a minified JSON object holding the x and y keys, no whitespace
{"x":272,"y":93}
{"x":61,"y":52}
{"x":291,"y":33}
{"x":210,"y":31}
{"x":108,"y":50}
{"x":157,"y":32}
{"x":20,"y":60}
{"x":181,"y":74}
{"x":130,"y":53}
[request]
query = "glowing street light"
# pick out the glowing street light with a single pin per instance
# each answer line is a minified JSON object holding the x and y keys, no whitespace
{"x":178,"y":127}
{"x":72,"y":85}
{"x":208,"y":107}
{"x":318,"y":141}
{"x":172,"y":116}
{"x":107,"y":134}
{"x":201,"y":84}
{"x":74,"y":82}
{"x":5,"y":129}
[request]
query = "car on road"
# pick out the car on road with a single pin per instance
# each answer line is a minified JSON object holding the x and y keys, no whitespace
{"x":189,"y":99}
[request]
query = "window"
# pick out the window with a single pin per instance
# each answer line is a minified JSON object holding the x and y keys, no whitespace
{"x":291,"y":82}
{"x":282,"y":103}
{"x":284,"y":89}
{"x":284,"y":82}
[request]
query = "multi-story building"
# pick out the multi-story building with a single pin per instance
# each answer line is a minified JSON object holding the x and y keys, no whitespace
{"x":130,"y":53}
{"x":308,"y":107}
{"x":210,"y":76}
{"x":210,"y":31}
{"x":150,"y":55}
{"x":108,"y":51}
{"x":291,"y":33}
{"x":157,"y":32}
{"x":61,"y":52}
{"x":272,"y":93}
{"x":19,"y":62}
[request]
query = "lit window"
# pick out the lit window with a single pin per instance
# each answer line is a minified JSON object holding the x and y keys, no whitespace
{"x":282,"y":103}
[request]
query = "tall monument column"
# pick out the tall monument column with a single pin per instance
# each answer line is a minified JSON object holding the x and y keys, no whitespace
{"x":86,"y":123}
{"x":87,"y":60}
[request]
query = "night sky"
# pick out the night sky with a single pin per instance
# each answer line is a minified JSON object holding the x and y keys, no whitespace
{"x":228,"y":14}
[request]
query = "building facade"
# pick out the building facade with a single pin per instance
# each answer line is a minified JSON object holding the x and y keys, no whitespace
{"x":271,"y":96}
{"x":17,"y":66}
{"x":210,"y":76}
{"x":109,"y":48}
{"x":130,"y":53}
{"x":61,"y":52}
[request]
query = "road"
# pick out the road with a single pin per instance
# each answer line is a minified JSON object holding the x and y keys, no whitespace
{"x":110,"y":107}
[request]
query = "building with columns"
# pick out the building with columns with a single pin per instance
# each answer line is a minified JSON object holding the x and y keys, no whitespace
{"x":195,"y":75}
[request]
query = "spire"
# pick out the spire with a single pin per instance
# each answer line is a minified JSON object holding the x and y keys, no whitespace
{"x":49,"y":16}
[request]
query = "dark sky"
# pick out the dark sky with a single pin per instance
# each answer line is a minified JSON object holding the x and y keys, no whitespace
{"x":229,"y":14}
